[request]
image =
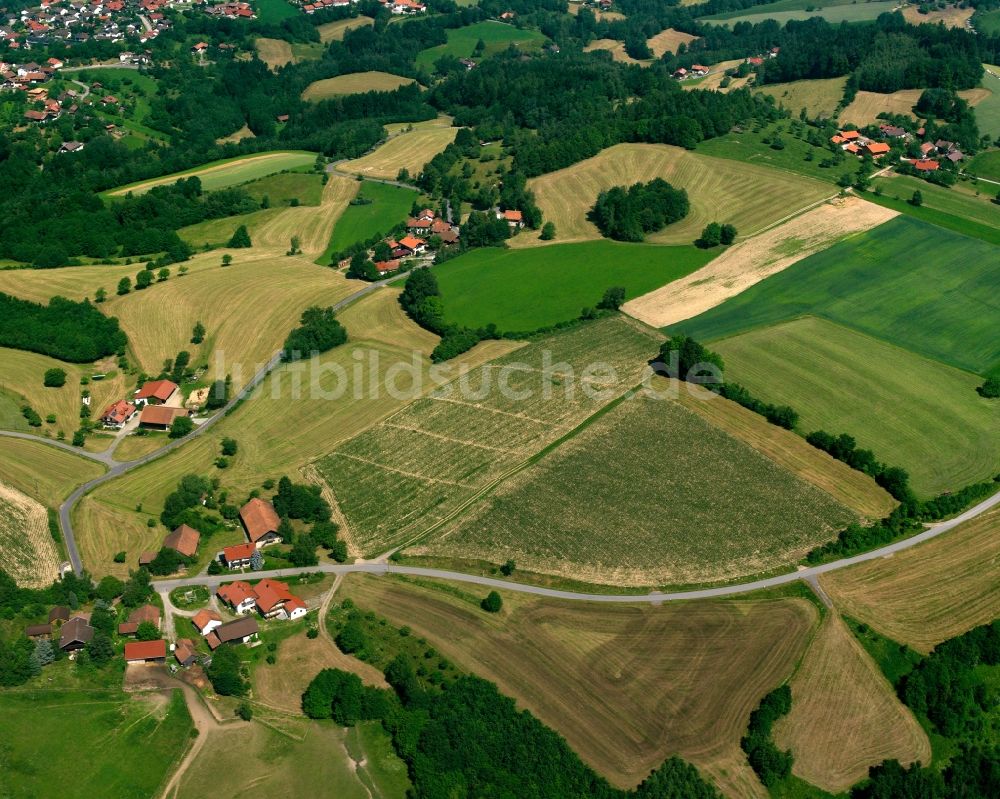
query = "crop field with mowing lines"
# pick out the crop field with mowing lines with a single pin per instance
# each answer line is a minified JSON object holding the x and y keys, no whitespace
{"x":269,"y":289}
{"x":280,"y":430}
{"x":231,"y":171}
{"x":748,"y":196}
{"x":355,"y":83}
{"x":22,"y":376}
{"x":334,"y":31}
{"x":532,"y":288}
{"x":866,"y":106}
{"x":692,"y":504}
{"x":43,"y":472}
{"x":847,"y":486}
{"x":819,"y":97}
{"x":218,"y":232}
{"x":667,"y":41}
{"x":497,"y":36}
{"x":128,"y":744}
{"x":73,"y":282}
{"x":845,"y":715}
{"x":411,"y":471}
{"x":627,"y":685}
{"x":389,"y":205}
{"x":27,"y":551}
{"x":911,"y":411}
{"x":409,"y":150}
{"x":930,"y":593}
{"x":941,"y":305}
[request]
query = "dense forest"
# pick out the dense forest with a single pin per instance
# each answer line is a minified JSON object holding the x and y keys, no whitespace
{"x":64,"y":329}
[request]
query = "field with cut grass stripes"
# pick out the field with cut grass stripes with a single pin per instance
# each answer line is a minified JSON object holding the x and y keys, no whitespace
{"x":354,"y":83}
{"x":913,"y":412}
{"x":912,"y":284}
{"x":522,"y":290}
{"x":409,"y":149}
{"x":746,"y":195}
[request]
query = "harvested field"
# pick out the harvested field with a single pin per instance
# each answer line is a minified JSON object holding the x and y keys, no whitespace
{"x":866,"y":107}
{"x":845,"y":715}
{"x":752,"y":260}
{"x":227,"y":173}
{"x":73,"y":282}
{"x":943,"y":433}
{"x":407,"y":150}
{"x":820,"y":98}
{"x":27,"y":551}
{"x":354,"y":83}
{"x":748,"y":196}
{"x":616,"y":48}
{"x":216,"y":233}
{"x":666,"y":41}
{"x":626,"y":685}
{"x":274,"y":52}
{"x":421,"y":464}
{"x":272,"y":290}
{"x":930,"y":593}
{"x":280,"y":686}
{"x":334,"y":31}
{"x":847,"y":486}
{"x":43,"y":472}
{"x":692,"y":505}
{"x":378,"y":317}
{"x":952,"y":16}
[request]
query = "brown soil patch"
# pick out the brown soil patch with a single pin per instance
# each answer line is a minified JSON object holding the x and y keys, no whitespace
{"x":845,"y":716}
{"x":750,"y":261}
{"x":930,"y":593}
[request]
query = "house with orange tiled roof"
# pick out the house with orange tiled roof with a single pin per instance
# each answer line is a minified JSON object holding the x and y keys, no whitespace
{"x":410,"y":245}
{"x":261,"y":522}
{"x":925,"y":165}
{"x":159,"y":417}
{"x":513,"y":218}
{"x":876,"y":149}
{"x":206,"y":620}
{"x":145,"y":651}
{"x":155,"y":392}
{"x":118,"y":414}
{"x":239,"y":595}
{"x":237,"y":556}
{"x":276,"y":601}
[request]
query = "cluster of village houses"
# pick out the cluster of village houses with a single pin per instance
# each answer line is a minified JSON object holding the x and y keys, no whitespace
{"x":394,"y":6}
{"x":931,"y":153}
{"x":700,"y":70}
{"x":157,"y":403}
{"x":267,"y":599}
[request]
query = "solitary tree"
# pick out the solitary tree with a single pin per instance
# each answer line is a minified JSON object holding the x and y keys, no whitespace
{"x":296,"y":246}
{"x":198,"y":333}
{"x":917,"y":199}
{"x":240,"y":239}
{"x":229,"y":447}
{"x":548,"y":231}
{"x":44,"y":653}
{"x":180,"y":427}
{"x":256,"y":561}
{"x":54,"y":377}
{"x":162,"y":275}
{"x":147,"y":631}
{"x":100,"y":295}
{"x":492,"y":603}
{"x":612,"y":299}
{"x":124,"y":286}
{"x":227,"y":259}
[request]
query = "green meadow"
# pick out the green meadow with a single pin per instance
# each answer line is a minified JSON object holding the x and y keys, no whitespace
{"x":912,"y":284}
{"x":789,"y":10}
{"x":389,"y":206}
{"x":986,"y":165}
{"x":525,"y":289}
{"x":497,"y":36}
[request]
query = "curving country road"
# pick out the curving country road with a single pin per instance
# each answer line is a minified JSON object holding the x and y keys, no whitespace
{"x":654,"y":597}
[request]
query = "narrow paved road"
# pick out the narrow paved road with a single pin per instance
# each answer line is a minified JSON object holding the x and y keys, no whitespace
{"x":118,"y":468}
{"x":807,"y":574}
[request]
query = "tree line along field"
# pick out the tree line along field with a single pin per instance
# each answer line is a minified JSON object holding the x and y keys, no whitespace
{"x":229,"y":172}
{"x":421,"y":464}
{"x":281,"y":429}
{"x":845,"y":716}
{"x":522,"y":290}
{"x":929,"y":593}
{"x":409,"y":149}
{"x":627,"y":685}
{"x":911,"y":411}
{"x":386,"y":206}
{"x":497,"y":36}
{"x":939,"y":304}
{"x":745,"y":195}
{"x":128,"y":744}
{"x":28,"y":552}
{"x":354,"y":83}
{"x":649,"y":494}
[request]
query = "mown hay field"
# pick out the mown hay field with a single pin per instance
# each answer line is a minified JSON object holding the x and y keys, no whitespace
{"x":820,"y":98}
{"x":23,"y":374}
{"x":44,"y":472}
{"x":526,"y":289}
{"x":409,"y":149}
{"x":866,"y":106}
{"x":354,"y":83}
{"x":667,"y":41}
{"x":247,"y":309}
{"x":334,"y":31}
{"x":845,"y":715}
{"x":911,"y":411}
{"x":930,"y":593}
{"x":617,"y":50}
{"x":129,"y":744}
{"x":745,"y":195}
{"x":72,"y":282}
{"x":229,"y":172}
{"x":423,"y":463}
{"x":650,"y":494}
{"x":27,"y":551}
{"x":941,"y":304}
{"x":274,"y":52}
{"x":217,"y":232}
{"x":626,"y":685}
{"x":297,"y":415}
{"x":847,"y":486}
